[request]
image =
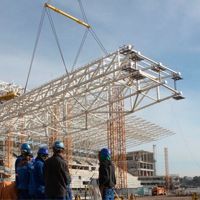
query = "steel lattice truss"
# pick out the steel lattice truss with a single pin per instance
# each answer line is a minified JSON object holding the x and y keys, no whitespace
{"x":7,"y":87}
{"x":138,"y":131}
{"x":45,"y":110}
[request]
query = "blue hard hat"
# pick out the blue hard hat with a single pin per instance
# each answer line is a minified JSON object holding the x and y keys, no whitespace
{"x":25,"y":147}
{"x":58,"y":145}
{"x":105,"y":154}
{"x":43,"y":151}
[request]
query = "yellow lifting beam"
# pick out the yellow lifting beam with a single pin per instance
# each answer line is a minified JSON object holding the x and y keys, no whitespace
{"x":8,"y":96}
{"x":66,"y":15}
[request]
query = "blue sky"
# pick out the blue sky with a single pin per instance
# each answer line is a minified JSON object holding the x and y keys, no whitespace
{"x":166,"y":31}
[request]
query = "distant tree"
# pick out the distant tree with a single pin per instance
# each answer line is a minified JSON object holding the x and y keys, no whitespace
{"x":196,"y":181}
{"x":190,"y":182}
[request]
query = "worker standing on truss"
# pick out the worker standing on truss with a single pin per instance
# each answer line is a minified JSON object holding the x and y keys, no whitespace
{"x":107,"y":179}
{"x":57,"y":176}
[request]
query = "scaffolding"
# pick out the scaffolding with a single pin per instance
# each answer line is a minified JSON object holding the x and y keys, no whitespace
{"x":68,"y":138}
{"x":117,"y":136}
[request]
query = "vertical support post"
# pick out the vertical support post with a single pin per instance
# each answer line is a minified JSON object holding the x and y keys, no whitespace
{"x":54,"y":133}
{"x":116,"y":136}
{"x":166,"y":168}
{"x":8,"y":150}
{"x":154,"y":159}
{"x":68,"y":136}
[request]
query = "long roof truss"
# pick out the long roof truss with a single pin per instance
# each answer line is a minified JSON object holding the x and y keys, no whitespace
{"x":77,"y":103}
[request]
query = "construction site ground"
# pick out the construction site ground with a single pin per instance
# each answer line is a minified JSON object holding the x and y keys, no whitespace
{"x":164,"y":198}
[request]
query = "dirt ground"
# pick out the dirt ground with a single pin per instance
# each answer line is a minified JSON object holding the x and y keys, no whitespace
{"x":163,"y":198}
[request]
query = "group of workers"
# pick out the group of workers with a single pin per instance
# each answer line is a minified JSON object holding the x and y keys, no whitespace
{"x":47,"y":177}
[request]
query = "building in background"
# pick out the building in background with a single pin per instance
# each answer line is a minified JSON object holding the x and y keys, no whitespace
{"x":141,"y":163}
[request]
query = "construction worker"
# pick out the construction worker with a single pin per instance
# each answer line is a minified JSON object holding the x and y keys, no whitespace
{"x":22,"y":167}
{"x":25,"y":147}
{"x":107,"y":180}
{"x":57,"y":175}
{"x":37,"y":184}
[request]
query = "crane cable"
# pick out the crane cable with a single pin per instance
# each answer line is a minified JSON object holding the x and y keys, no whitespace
{"x":91,"y":29}
{"x":59,"y":47}
{"x":60,"y":50}
{"x":57,"y":41}
{"x":56,"y":38}
{"x":35,"y":47}
{"x":80,"y":48}
{"x":58,"y":44}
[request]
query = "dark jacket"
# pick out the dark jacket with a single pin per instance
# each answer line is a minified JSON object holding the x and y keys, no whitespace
{"x":56,"y":176}
{"x":38,"y":173}
{"x":31,"y":187}
{"x":107,"y":174}
{"x":23,"y":173}
{"x":19,"y":158}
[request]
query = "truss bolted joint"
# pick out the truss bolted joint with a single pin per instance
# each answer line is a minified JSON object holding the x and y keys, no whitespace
{"x":177,"y":76}
{"x":126,"y":49}
{"x":44,"y":125}
{"x":158,"y":67}
{"x":178,"y":96}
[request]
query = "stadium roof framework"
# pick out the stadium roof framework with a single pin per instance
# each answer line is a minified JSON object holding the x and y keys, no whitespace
{"x":138,"y":131}
{"x":77,"y":104}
